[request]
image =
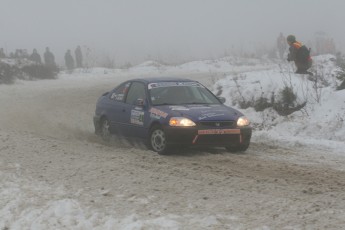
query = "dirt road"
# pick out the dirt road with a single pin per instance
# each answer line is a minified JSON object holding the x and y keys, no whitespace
{"x":46,"y":135}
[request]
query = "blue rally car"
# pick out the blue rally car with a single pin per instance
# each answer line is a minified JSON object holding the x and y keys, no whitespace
{"x":168,"y":112}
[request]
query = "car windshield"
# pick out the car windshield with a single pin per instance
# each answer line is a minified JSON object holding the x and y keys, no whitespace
{"x":177,"y":93}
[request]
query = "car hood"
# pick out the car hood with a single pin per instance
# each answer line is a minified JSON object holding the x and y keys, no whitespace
{"x":202,"y":112}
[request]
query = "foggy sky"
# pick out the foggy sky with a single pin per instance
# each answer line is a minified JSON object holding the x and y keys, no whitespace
{"x":132,"y":30}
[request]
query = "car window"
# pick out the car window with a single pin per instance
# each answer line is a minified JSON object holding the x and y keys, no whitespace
{"x":178,"y":94}
{"x":202,"y":95}
{"x":120,"y":92}
{"x":136,"y":91}
{"x":181,"y":93}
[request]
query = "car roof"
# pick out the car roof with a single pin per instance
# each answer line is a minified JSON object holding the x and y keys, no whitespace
{"x":162,"y":79}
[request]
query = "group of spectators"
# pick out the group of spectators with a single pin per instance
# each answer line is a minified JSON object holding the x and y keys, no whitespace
{"x":69,"y":60}
{"x":48,"y":57}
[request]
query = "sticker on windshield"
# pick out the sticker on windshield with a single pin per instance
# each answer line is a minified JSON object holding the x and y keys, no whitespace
{"x":170,"y":84}
{"x":137,"y":117}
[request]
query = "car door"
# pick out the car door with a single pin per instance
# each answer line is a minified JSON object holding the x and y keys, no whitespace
{"x":135,"y":111}
{"x":116,"y":107}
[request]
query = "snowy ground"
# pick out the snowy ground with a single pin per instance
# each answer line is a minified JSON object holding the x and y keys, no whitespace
{"x":55,"y":174}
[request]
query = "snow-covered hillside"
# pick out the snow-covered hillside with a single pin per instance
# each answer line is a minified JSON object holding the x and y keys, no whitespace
{"x":320,"y":122}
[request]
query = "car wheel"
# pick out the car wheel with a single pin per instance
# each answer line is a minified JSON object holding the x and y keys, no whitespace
{"x":237,"y":148}
{"x":105,"y":133}
{"x":158,"y":142}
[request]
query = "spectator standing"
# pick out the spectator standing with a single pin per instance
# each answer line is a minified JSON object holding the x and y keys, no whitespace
{"x":78,"y":57}
{"x":49,"y":58}
{"x":300,"y":54}
{"x":69,"y":61}
{"x":35,"y":57}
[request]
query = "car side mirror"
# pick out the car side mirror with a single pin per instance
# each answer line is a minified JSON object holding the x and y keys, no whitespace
{"x":222,"y":99}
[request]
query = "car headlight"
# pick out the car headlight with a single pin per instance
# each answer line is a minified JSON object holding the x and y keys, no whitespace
{"x":181,"y":121}
{"x":243,"y":121}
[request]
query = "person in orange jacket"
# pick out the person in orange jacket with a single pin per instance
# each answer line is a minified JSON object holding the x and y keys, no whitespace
{"x":300,"y":54}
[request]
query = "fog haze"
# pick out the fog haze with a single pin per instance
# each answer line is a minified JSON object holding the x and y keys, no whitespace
{"x":135,"y":30}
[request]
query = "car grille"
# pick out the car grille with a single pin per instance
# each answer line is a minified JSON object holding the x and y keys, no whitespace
{"x":216,"y":124}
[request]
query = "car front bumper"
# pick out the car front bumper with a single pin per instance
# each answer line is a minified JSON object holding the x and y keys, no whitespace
{"x":210,"y":137}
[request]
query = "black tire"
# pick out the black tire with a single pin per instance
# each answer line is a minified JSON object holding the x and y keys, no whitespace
{"x":237,"y":148}
{"x":104,"y":130}
{"x":157,"y":140}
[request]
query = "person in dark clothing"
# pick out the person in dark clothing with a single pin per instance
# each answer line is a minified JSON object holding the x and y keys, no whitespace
{"x":300,"y":54}
{"x":78,"y":57}
{"x":49,"y":58}
{"x":69,"y":61}
{"x":35,"y":57}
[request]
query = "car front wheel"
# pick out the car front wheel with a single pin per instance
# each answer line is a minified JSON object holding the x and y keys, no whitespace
{"x":158,"y":141}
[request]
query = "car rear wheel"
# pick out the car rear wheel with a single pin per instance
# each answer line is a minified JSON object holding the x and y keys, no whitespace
{"x":158,"y":142}
{"x":105,"y":133}
{"x":237,"y":148}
